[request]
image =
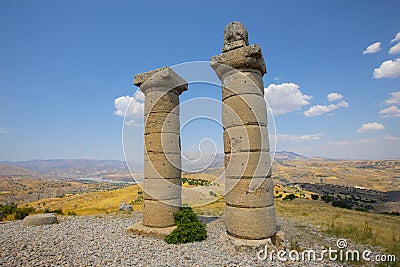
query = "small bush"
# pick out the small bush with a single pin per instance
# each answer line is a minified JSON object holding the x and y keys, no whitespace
{"x":21,"y":213}
{"x":327,"y":198}
{"x":189,"y":229}
{"x":314,"y":196}
{"x":57,"y":211}
{"x":289,"y":197}
{"x":341,"y":204}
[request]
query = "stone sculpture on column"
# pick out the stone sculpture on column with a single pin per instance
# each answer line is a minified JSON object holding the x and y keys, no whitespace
{"x":250,"y":212}
{"x":162,"y":153}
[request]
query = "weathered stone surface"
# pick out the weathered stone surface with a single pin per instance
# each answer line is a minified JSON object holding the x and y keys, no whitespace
{"x":158,"y":165}
{"x":159,"y":214}
{"x":251,"y":223}
{"x":160,"y":101}
{"x":247,"y":164}
{"x":242,"y":58}
{"x":246,"y":138}
{"x":162,"y":143}
{"x":245,"y":109}
{"x":242,"y":82}
{"x":162,"y":189}
{"x":250,"y":193}
{"x":139,"y":229}
{"x":140,"y":78}
{"x":235,"y":36}
{"x":125,"y":207}
{"x":40,"y":219}
{"x":163,"y":79}
{"x":161,"y":123}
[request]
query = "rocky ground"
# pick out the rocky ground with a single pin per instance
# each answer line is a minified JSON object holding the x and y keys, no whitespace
{"x":102,"y":241}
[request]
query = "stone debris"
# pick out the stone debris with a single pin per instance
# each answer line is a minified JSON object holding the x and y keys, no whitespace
{"x":125,"y":207}
{"x":40,"y":219}
{"x":102,"y":240}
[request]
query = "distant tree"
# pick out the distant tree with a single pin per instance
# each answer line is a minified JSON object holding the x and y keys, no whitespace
{"x":314,"y":196}
{"x":327,"y":198}
{"x":289,"y":197}
{"x":341,"y":204}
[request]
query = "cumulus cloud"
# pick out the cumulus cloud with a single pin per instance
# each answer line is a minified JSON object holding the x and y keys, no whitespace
{"x":396,"y":38}
{"x":286,"y":97}
{"x":395,"y":49}
{"x":394,"y":99}
{"x":342,"y":104}
{"x":319,"y":110}
{"x":388,"y":69}
{"x":334,"y":96}
{"x":131,"y":106}
{"x":371,"y":126}
{"x":373,"y":48}
{"x":306,"y":137}
{"x":391,"y":111}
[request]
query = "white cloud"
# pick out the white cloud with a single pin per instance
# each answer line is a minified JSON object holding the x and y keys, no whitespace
{"x":391,"y":138}
{"x":306,"y":137}
{"x":373,"y":48}
{"x":395,"y":49}
{"x":319,"y":110}
{"x":391,"y":111}
{"x":132,"y":107}
{"x":286,"y":97}
{"x":342,"y":104}
{"x":395,"y":99}
{"x":371,"y":126}
{"x":334,"y":96}
{"x":388,"y":69}
{"x":132,"y":123}
{"x":396,"y":38}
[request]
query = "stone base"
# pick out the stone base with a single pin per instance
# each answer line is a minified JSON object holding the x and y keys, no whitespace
{"x":139,"y":229}
{"x":277,"y":240}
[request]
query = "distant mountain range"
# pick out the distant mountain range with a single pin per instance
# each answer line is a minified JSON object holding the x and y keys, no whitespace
{"x":190,"y":162}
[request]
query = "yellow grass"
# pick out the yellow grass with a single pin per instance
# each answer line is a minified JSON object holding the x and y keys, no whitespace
{"x":91,"y":203}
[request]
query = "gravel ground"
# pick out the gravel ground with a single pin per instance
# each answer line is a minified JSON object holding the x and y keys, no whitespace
{"x":102,"y":241}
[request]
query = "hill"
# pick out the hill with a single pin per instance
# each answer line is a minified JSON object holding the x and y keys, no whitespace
{"x":7,"y":171}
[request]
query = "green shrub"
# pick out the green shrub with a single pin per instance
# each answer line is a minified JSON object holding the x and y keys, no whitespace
{"x":289,"y":197}
{"x":57,"y":211}
{"x":327,"y":198}
{"x":189,"y":229}
{"x":314,"y":196}
{"x":341,"y":204}
{"x":21,"y":213}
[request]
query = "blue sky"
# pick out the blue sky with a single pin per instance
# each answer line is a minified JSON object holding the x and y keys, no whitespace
{"x":63,"y":64}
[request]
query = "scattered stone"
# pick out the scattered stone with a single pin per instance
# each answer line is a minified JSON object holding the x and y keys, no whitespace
{"x":125,"y":207}
{"x":40,"y":219}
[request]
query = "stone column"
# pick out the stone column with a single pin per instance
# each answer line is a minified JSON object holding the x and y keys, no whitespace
{"x":162,"y":153}
{"x":250,"y":212}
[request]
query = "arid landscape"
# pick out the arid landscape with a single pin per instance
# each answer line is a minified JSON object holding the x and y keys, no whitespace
{"x":302,"y":186}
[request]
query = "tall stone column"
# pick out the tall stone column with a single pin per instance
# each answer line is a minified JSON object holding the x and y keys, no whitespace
{"x":162,"y":152}
{"x":250,"y":212}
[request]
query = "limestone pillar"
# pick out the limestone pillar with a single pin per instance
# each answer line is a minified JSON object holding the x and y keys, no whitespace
{"x":162,"y":152}
{"x":250,"y":212}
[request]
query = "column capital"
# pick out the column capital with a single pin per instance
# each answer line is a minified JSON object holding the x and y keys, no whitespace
{"x":162,"y":79}
{"x":242,"y":58}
